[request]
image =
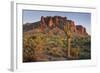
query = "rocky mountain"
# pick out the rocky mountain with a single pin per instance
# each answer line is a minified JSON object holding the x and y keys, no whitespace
{"x":56,"y":21}
{"x":47,"y":40}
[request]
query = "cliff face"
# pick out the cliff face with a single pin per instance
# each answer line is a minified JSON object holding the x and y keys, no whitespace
{"x":52,"y":21}
{"x":58,"y":21}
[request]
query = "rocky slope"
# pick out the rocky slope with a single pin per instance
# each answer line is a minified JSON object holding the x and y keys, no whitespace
{"x":56,"y":21}
{"x":45,"y":40}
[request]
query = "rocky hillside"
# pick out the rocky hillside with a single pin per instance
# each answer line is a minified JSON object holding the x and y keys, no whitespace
{"x":56,"y":21}
{"x":46,"y":40}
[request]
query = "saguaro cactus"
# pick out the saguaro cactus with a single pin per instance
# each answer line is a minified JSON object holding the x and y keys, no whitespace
{"x":67,"y":30}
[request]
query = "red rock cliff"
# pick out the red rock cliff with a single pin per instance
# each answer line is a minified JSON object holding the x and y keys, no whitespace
{"x":58,"y":21}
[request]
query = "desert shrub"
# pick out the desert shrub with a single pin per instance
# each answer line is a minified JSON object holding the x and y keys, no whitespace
{"x":28,"y":55}
{"x":55,"y":52}
{"x":85,"y":55}
{"x":75,"y":52}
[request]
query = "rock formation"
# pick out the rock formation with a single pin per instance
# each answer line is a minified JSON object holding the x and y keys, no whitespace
{"x":58,"y":21}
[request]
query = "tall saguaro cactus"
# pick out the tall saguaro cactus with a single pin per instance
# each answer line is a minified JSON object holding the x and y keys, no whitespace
{"x":67,"y":30}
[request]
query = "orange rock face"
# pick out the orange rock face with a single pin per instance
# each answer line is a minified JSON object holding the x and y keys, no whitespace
{"x":81,"y":29}
{"x":58,"y":21}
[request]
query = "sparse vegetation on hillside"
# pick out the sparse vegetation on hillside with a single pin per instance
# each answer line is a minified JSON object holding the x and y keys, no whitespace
{"x":52,"y":46}
{"x":55,"y":39}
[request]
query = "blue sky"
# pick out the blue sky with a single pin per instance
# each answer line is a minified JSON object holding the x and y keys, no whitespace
{"x":84,"y":19}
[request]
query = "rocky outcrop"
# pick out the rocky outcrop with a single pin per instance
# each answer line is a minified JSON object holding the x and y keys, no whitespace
{"x":53,"y":22}
{"x":81,"y":30}
{"x":58,"y":21}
